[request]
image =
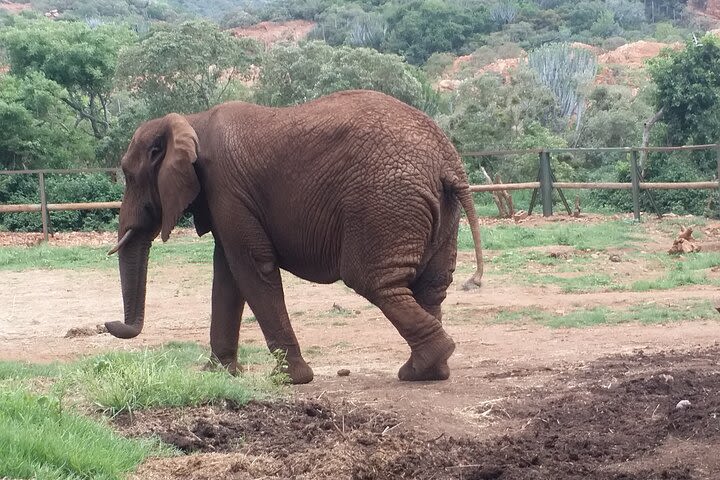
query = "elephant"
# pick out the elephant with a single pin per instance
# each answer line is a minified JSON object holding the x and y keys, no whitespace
{"x":354,"y":186}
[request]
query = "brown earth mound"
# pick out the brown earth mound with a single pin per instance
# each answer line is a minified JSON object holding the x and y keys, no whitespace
{"x":13,"y":7}
{"x":617,"y":418}
{"x":274,"y":32}
{"x":634,"y":54}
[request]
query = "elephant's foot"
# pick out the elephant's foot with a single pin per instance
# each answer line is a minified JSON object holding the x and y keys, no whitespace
{"x":296,"y":368}
{"x":231,"y":366}
{"x":428,"y":361}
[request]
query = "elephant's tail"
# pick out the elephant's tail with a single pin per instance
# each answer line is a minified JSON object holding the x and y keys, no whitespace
{"x":462,"y":190}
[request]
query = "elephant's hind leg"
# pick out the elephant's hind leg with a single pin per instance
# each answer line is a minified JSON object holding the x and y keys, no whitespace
{"x":429,"y":344}
{"x":430,"y":290}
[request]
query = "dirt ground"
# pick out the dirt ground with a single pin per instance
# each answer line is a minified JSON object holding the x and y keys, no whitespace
{"x":523,"y":402}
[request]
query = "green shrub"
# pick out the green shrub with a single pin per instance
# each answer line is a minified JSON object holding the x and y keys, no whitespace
{"x":659,"y":169}
{"x":76,"y":188}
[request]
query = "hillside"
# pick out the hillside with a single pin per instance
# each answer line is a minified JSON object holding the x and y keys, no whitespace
{"x":612,"y":64}
{"x":269,"y":33}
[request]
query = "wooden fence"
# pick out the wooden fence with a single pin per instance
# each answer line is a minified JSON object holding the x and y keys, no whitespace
{"x":545,"y":183}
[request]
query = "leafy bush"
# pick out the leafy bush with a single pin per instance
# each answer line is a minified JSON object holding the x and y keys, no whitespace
{"x":660,"y":168}
{"x":295,"y":74}
{"x":419,"y":28}
{"x":60,"y":189}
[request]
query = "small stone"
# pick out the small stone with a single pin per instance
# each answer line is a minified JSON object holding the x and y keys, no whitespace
{"x":667,"y":378}
{"x":615,"y":258}
{"x":343,"y":372}
{"x":682,"y":404}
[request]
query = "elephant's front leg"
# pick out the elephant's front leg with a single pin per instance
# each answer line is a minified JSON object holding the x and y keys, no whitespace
{"x":227,"y":308}
{"x":267,"y":301}
{"x":257,"y":274}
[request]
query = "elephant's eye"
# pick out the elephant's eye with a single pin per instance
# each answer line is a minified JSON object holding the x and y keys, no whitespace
{"x":155,"y":152}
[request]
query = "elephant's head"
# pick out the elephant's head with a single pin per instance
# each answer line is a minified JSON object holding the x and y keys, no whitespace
{"x":160,"y":184}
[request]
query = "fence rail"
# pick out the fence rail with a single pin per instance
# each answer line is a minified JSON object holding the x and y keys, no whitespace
{"x":545,"y":185}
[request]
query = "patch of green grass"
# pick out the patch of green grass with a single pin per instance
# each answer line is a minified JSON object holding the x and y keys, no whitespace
{"x":672,"y":280}
{"x":24,"y":370}
{"x":646,"y":314}
{"x":339,"y":311}
{"x":672,"y":225}
{"x":183,"y":251}
{"x":41,"y":439}
{"x":581,"y":236}
{"x":680,"y":271}
{"x":45,"y":256}
{"x":579,"y":284}
{"x":513,"y":261}
{"x":169,"y":376}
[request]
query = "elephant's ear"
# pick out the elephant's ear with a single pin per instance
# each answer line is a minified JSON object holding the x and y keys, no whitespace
{"x":177,"y":181}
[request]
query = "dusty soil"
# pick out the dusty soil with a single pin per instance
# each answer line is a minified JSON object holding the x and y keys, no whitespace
{"x":615,"y":418}
{"x":523,"y":401}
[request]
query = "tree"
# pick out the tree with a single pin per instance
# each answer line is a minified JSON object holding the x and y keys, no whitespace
{"x":351,"y":25}
{"x":419,"y":28}
{"x":567,"y":72}
{"x":80,"y":59}
{"x":488,"y":113}
{"x":37,"y":126}
{"x":96,"y":9}
{"x":186,"y":68}
{"x":295,"y":74}
{"x":688,"y":91}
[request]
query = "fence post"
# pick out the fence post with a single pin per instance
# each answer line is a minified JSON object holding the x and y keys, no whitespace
{"x":43,"y":206}
{"x":546,"y":183}
{"x":635,"y":178}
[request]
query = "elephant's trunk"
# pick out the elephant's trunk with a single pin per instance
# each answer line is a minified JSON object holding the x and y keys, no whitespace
{"x":133,"y":259}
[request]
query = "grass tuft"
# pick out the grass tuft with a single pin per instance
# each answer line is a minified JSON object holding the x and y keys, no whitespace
{"x":24,"y":370}
{"x":647,"y":314}
{"x":170,"y":376}
{"x":44,"y":256}
{"x":582,"y":236}
{"x":44,"y":436}
{"x":40,"y":439}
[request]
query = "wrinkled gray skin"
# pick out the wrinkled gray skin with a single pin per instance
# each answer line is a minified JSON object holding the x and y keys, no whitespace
{"x":354,"y":186}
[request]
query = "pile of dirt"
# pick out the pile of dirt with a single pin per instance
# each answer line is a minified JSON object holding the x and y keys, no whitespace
{"x":500,"y":67}
{"x":273,"y":32}
{"x":615,"y":419}
{"x":585,"y":46}
{"x":635,"y":54}
{"x":13,"y":7}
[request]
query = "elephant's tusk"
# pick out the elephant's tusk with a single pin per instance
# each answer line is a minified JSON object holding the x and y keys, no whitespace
{"x":125,"y":239}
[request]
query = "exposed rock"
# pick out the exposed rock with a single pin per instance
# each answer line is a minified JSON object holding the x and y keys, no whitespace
{"x":274,"y":32}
